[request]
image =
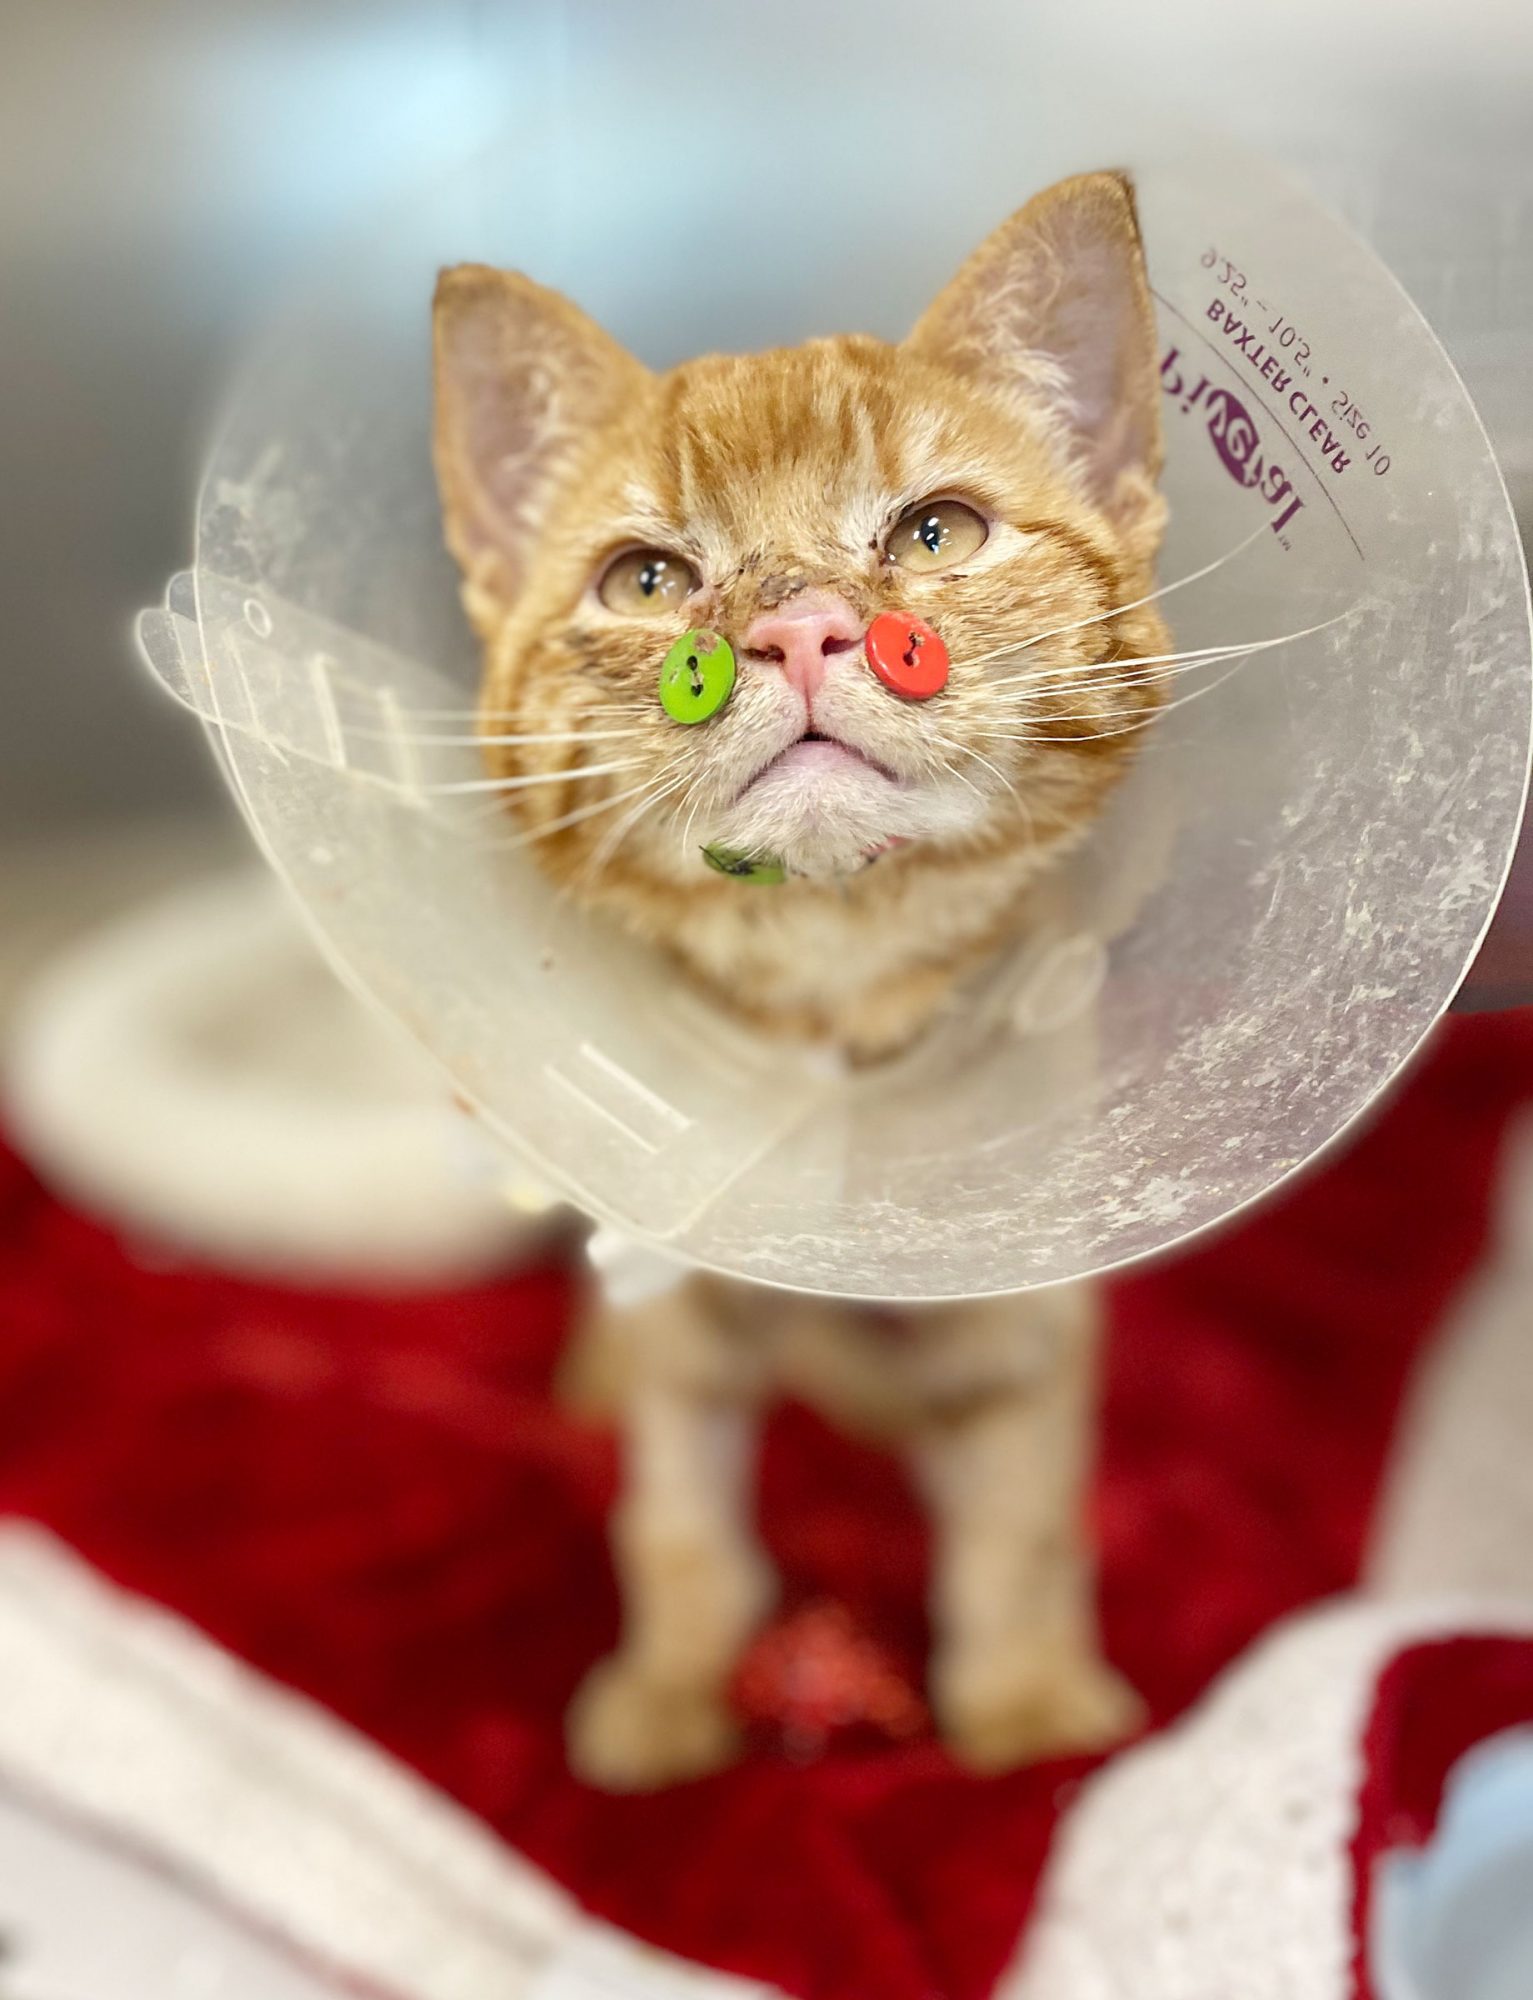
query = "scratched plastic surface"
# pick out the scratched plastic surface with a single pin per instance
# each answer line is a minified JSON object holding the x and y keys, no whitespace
{"x":1273,"y":914}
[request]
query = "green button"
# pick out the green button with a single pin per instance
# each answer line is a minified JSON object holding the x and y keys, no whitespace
{"x":745,"y":867}
{"x":698,"y":676}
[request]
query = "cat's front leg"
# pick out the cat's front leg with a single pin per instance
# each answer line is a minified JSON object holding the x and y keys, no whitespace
{"x":1017,"y":1673}
{"x":694,"y":1582}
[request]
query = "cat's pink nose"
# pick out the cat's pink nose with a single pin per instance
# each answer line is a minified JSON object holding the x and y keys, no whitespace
{"x":801,"y":635}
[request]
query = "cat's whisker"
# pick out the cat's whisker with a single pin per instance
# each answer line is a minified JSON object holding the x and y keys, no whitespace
{"x":1088,"y":677}
{"x":1022,"y":699}
{"x":614,"y":837}
{"x":527,"y":836}
{"x":552,"y":736}
{"x":1141,"y":719}
{"x":1092,"y":676}
{"x":947,"y":743}
{"x":963,"y":749}
{"x":1023,"y":805}
{"x":488,"y":810}
{"x":465,"y":787}
{"x":472,"y":739}
{"x":1135,"y":604}
{"x":686,"y":831}
{"x":476,"y":714}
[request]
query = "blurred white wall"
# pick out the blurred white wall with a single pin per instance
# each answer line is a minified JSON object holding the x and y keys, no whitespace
{"x":166,"y":167}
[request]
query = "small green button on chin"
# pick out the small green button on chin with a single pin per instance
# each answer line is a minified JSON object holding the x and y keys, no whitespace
{"x":697,"y":677}
{"x":745,"y":867}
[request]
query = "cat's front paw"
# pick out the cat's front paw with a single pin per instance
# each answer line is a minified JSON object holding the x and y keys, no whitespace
{"x":628,"y":1732}
{"x":1003,"y":1704}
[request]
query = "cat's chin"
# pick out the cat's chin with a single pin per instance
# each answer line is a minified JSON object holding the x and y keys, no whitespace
{"x":826,"y":812}
{"x":823,"y":810}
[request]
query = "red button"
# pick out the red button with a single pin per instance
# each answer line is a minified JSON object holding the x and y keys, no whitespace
{"x":907,"y":656}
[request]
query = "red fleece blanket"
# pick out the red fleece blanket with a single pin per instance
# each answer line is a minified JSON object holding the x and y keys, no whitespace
{"x":379,"y":1503}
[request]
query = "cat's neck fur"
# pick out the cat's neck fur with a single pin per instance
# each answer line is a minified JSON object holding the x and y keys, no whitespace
{"x":866,"y":964}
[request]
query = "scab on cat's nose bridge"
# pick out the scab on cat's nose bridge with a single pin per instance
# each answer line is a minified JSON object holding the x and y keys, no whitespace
{"x":774,"y":590}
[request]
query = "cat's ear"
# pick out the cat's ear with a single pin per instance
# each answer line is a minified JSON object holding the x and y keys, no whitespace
{"x":522,"y":378}
{"x":1055,"y":306}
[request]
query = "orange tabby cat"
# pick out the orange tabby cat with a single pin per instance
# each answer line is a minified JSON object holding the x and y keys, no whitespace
{"x":993,"y":477}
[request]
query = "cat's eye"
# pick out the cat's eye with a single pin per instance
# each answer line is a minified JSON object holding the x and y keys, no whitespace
{"x":646,"y":582}
{"x":935,"y":535}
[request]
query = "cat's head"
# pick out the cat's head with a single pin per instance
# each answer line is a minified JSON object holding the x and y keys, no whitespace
{"x":991,"y":478}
